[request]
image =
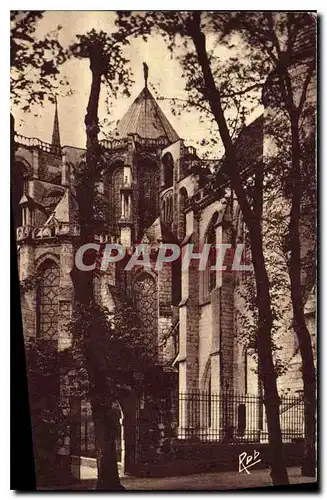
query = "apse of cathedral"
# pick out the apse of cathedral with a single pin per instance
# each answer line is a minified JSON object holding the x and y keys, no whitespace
{"x":165,"y":360}
{"x":145,"y":159}
{"x":156,"y":190}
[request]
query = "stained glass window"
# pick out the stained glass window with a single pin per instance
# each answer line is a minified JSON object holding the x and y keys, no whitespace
{"x":146,"y":304}
{"x":148,"y":195}
{"x":48,"y":302}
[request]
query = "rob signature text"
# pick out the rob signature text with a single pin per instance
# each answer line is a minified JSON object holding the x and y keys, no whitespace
{"x":246,"y":461}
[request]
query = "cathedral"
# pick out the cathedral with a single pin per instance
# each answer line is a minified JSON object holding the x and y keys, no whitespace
{"x":158,"y":190}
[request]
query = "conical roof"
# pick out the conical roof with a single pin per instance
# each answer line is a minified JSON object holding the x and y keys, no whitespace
{"x":145,"y":118}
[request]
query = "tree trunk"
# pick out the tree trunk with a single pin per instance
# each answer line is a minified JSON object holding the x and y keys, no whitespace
{"x":103,"y":417}
{"x":108,"y":478}
{"x":266,"y":365}
{"x":300,"y":327}
{"x":253,"y":222}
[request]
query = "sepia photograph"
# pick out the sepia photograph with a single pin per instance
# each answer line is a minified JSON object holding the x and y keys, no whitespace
{"x":163,"y":186}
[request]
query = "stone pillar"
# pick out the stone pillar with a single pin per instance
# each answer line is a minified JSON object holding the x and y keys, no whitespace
{"x":189,"y":342}
{"x":72,"y":178}
{"x":215,"y":378}
{"x":122,"y":205}
{"x":174,"y":223}
{"x":70,"y":406}
{"x":35,"y":163}
{"x":228,"y":410}
{"x":28,"y":298}
{"x":129,"y":205}
{"x":191,"y":282}
{"x":26,"y":261}
{"x":127,"y":175}
{"x":227,"y":318}
{"x":126,"y":199}
{"x":65,"y":295}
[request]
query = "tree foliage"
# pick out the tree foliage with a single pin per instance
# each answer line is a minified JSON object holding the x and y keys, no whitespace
{"x":113,"y":343}
{"x":111,"y":348}
{"x":49,"y":418}
{"x":268,"y":46}
{"x":35,"y":63}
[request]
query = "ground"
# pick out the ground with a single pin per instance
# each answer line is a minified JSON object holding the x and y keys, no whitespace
{"x":212,"y":481}
{"x":205,"y":481}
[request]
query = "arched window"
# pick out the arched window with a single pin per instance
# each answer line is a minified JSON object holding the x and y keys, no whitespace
{"x":47,"y":301}
{"x":211,"y":240}
{"x":168,"y":165}
{"x":209,"y":275}
{"x":148,"y":194}
{"x":146,"y":304}
{"x":167,"y":208}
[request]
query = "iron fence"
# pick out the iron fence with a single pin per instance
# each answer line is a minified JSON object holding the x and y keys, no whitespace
{"x":237,"y":418}
{"x":203,"y":417}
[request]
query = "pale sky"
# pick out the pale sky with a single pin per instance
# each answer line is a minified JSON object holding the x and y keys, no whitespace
{"x":164,"y":76}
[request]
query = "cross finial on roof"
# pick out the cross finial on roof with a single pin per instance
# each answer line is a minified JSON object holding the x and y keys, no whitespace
{"x":146,"y":73}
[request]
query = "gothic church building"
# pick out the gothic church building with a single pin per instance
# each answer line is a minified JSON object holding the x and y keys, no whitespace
{"x":158,"y":190}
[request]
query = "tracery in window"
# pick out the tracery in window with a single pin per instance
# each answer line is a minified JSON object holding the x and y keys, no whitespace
{"x":146,"y":304}
{"x":148,"y":194}
{"x":47,"y":301}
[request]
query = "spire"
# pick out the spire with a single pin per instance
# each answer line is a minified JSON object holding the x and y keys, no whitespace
{"x":146,"y":74}
{"x":55,"y":133}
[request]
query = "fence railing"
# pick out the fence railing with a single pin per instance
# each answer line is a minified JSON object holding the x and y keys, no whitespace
{"x":202,"y":417}
{"x":229,"y":417}
{"x":33,"y":142}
